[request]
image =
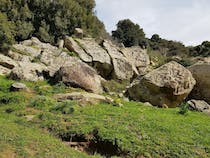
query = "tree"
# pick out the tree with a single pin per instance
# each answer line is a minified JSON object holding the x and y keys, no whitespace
{"x":50,"y":20}
{"x":129,"y":34}
{"x":6,"y":33}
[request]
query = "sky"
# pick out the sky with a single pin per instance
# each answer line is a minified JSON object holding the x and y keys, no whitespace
{"x":187,"y":21}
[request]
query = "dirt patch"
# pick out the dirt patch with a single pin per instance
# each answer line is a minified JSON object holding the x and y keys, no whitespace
{"x":93,"y":144}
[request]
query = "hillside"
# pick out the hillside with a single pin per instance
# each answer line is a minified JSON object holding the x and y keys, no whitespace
{"x":68,"y":89}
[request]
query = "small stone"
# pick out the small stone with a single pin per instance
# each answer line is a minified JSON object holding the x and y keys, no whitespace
{"x":18,"y":87}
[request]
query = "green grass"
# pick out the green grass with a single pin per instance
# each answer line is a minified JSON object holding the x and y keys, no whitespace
{"x":139,"y":129}
{"x":135,"y":128}
{"x":22,"y":140}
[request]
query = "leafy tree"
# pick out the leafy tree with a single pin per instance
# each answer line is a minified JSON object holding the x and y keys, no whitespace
{"x":201,"y":50}
{"x":129,"y":34}
{"x":6,"y":33}
{"x":49,"y":20}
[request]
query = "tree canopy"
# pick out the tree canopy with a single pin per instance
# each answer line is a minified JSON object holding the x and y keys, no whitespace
{"x":6,"y":32}
{"x":49,"y":20}
{"x":129,"y":34}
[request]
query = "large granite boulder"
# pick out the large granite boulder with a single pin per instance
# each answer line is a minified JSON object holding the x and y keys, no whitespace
{"x":72,"y":46}
{"x":201,"y":73}
{"x":122,"y":68}
{"x":80,"y":75}
{"x":29,"y":71}
{"x":166,"y":86}
{"x":138,"y":58}
{"x":101,"y":60}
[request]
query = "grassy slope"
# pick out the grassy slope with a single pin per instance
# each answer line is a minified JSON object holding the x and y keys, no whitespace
{"x":18,"y":139}
{"x":147,"y":130}
{"x":136,"y":128}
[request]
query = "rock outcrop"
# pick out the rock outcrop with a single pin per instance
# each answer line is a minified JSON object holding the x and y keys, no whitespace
{"x":199,"y":105}
{"x":29,"y":71}
{"x":201,"y":73}
{"x":122,"y":68}
{"x":79,"y":74}
{"x":101,"y":60}
{"x":72,"y":46}
{"x":138,"y":58}
{"x":84,"y":98}
{"x":166,"y":86}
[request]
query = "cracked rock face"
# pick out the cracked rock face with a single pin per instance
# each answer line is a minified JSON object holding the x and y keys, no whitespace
{"x":122,"y":67}
{"x":101,"y":60}
{"x":166,"y":86}
{"x":138,"y":58}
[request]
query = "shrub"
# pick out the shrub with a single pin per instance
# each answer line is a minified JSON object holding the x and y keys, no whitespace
{"x":183,"y":108}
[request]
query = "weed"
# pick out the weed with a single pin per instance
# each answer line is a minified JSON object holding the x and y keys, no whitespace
{"x":184,"y":108}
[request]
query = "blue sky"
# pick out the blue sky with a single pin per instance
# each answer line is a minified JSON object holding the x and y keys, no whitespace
{"x":187,"y":21}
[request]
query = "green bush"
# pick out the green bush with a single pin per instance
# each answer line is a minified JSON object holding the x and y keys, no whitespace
{"x":129,"y":34}
{"x":184,"y":107}
{"x":6,"y":33}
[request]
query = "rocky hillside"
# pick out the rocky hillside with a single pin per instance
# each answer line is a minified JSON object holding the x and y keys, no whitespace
{"x":90,"y":95}
{"x":82,"y":62}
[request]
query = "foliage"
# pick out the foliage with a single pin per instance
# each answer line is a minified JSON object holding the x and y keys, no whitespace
{"x":168,"y":47}
{"x":184,"y":107}
{"x":129,"y":34}
{"x":50,"y":20}
{"x":201,"y":50}
{"x":6,"y":32}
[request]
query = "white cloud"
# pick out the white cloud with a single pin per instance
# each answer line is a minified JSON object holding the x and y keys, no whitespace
{"x":182,"y":20}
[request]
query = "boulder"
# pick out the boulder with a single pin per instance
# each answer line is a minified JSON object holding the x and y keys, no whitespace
{"x":29,"y":71}
{"x":7,"y":62}
{"x":4,"y":71}
{"x":78,"y":32}
{"x":101,"y":60}
{"x":199,"y":105}
{"x":79,"y":74}
{"x":60,"y":44}
{"x":138,"y":58}
{"x":84,"y":98}
{"x":201,"y":73}
{"x":166,"y":86}
{"x":122,"y":68}
{"x":18,"y":87}
{"x":72,"y":46}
